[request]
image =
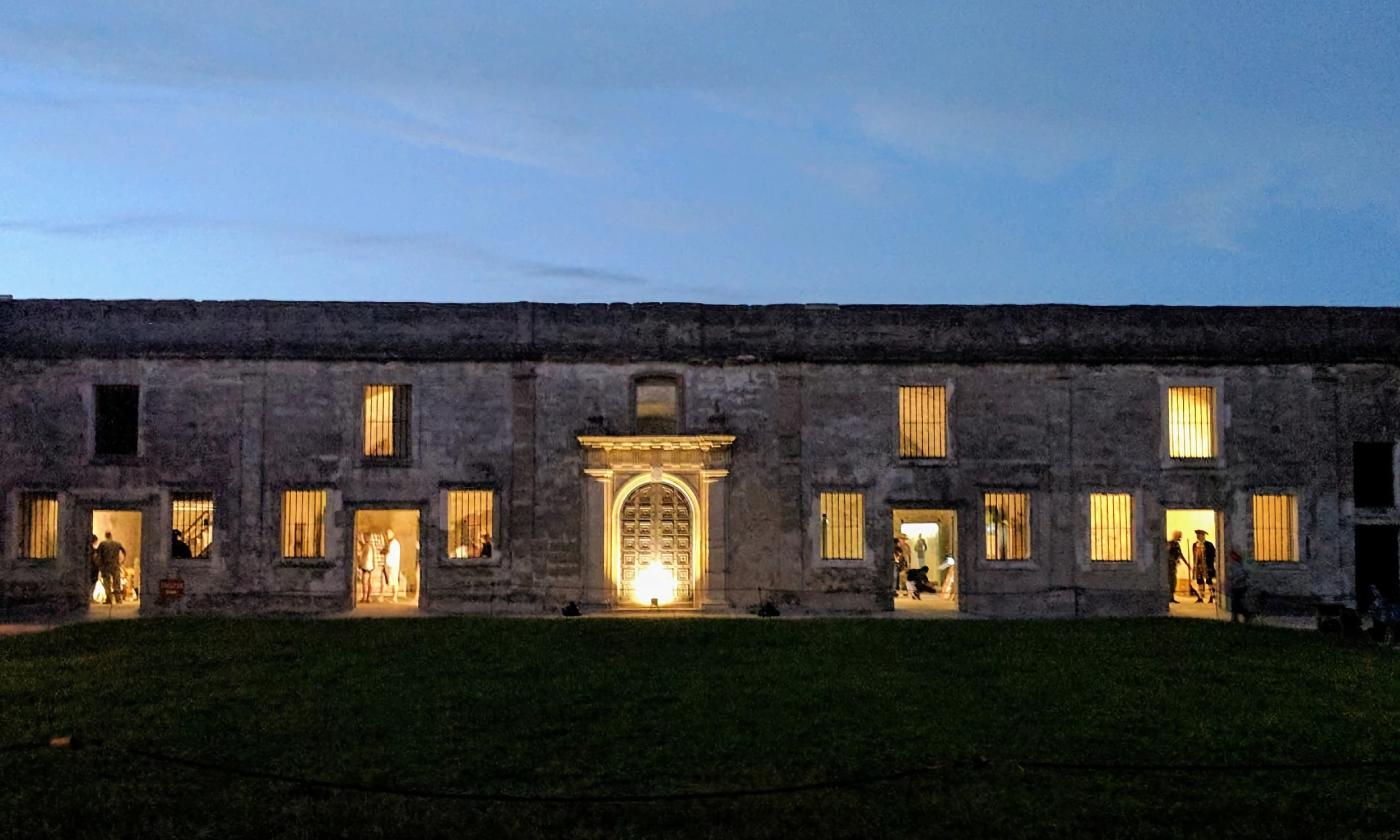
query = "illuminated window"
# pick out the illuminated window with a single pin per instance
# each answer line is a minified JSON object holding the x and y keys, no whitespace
{"x":923,"y":421}
{"x":469,"y":532}
{"x":1008,"y":525}
{"x":38,"y":526}
{"x":1191,"y":422}
{"x":115,"y":419}
{"x":658,"y":406}
{"x":387,"y":409}
{"x":304,"y":523}
{"x":1276,"y":528}
{"x":843,"y":526}
{"x":192,"y":516}
{"x":1111,"y":527}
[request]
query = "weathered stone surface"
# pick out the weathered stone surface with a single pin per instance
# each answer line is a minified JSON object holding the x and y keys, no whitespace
{"x":246,"y":399}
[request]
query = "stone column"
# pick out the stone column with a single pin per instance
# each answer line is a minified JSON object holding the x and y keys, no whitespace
{"x":599,"y":586}
{"x":714,"y":492}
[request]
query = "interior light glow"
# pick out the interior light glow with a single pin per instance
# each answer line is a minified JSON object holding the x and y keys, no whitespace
{"x":655,"y":582}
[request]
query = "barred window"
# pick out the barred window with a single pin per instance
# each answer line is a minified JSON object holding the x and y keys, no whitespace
{"x":923,"y":421}
{"x":304,"y":523}
{"x":1276,"y":528}
{"x":387,"y":409}
{"x":192,"y":517}
{"x":38,"y":526}
{"x":469,"y":532}
{"x":1111,"y":527}
{"x":843,"y":526}
{"x":1008,"y":525}
{"x":1191,"y":422}
{"x":658,"y":406}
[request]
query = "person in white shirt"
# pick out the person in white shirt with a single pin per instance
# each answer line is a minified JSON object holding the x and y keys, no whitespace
{"x":392,"y":556}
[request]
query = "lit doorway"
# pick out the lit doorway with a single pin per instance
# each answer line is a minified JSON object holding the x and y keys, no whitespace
{"x":114,"y":560}
{"x":1198,"y":582}
{"x":924,"y":572}
{"x":386,"y":558}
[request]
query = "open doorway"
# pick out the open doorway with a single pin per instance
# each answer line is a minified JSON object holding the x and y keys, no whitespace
{"x":114,"y":559}
{"x":387,"y":551}
{"x":1377,"y":564}
{"x":1197,"y":582}
{"x":925,"y":567}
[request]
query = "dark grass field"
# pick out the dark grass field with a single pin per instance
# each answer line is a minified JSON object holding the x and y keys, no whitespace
{"x":937,"y":726}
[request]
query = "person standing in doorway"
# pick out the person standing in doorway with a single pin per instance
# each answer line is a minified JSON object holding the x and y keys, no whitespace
{"x":1203,"y":560}
{"x":110,"y":556}
{"x":392,"y":557}
{"x":920,"y":549}
{"x":94,"y":564}
{"x":1174,"y":558}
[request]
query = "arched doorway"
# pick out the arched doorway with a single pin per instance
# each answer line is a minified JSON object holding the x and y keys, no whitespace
{"x":656,"y":547}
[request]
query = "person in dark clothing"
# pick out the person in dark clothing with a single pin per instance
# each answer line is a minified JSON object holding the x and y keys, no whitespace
{"x":179,"y":549}
{"x":918,"y":582}
{"x":110,"y":555}
{"x":485,"y":545}
{"x":1203,"y":560}
{"x":1174,"y":557}
{"x":94,"y":564}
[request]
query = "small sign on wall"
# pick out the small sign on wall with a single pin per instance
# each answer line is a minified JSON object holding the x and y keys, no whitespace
{"x":172,"y":589}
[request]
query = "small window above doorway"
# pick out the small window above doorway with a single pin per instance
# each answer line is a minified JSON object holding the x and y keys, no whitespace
{"x":656,"y":405}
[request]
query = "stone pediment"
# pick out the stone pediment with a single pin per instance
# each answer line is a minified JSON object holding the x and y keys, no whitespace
{"x":642,"y":452}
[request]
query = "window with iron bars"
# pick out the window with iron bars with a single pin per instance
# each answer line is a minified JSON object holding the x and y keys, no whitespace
{"x":923,"y":421}
{"x":192,"y":515}
{"x":1191,"y":422}
{"x":1008,"y":517}
{"x":469,"y":523}
{"x":387,"y":412}
{"x":1111,"y":527}
{"x":843,"y":526}
{"x":38,"y":526}
{"x":1275,"y":528}
{"x":304,"y":524}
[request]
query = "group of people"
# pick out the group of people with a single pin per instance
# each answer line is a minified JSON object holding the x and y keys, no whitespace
{"x":474,"y":548}
{"x":917,"y":580}
{"x":107,"y":563}
{"x":378,"y":556}
{"x":1201,"y":574}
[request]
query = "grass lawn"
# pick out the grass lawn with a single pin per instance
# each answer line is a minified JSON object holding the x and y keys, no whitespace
{"x":619,"y":707}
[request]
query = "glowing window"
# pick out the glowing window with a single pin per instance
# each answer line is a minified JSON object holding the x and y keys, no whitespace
{"x":1191,"y":422}
{"x":1276,"y":528}
{"x":304,"y":523}
{"x":469,"y":532}
{"x":843,"y":526}
{"x":1008,"y":518}
{"x":658,"y":406}
{"x":923,"y":421}
{"x":192,"y":520}
{"x":38,"y":526}
{"x":387,"y":409}
{"x":1111,"y":527}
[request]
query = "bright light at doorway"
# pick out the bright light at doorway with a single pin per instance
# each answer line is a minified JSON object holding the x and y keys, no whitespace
{"x":657,"y":582}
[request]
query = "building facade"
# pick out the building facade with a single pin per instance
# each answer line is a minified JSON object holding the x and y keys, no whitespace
{"x":516,"y":457}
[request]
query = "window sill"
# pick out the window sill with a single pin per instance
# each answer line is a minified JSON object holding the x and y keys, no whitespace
{"x":306,"y":563}
{"x":1009,"y":565}
{"x":1286,"y":566}
{"x":1193,"y":463}
{"x":906,"y":461}
{"x":372,"y":463}
{"x":470,"y":562}
{"x":116,"y":460}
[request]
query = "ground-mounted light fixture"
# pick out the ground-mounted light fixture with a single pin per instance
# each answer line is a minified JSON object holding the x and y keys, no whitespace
{"x":655,"y":586}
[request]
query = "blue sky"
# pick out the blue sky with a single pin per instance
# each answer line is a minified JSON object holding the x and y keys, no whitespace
{"x":914,"y":152}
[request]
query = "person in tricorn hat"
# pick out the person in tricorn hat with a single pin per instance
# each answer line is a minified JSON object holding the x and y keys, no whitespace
{"x":1203,"y":560}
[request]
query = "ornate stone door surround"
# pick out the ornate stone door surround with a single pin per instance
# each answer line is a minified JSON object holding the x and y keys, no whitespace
{"x":614,"y":466}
